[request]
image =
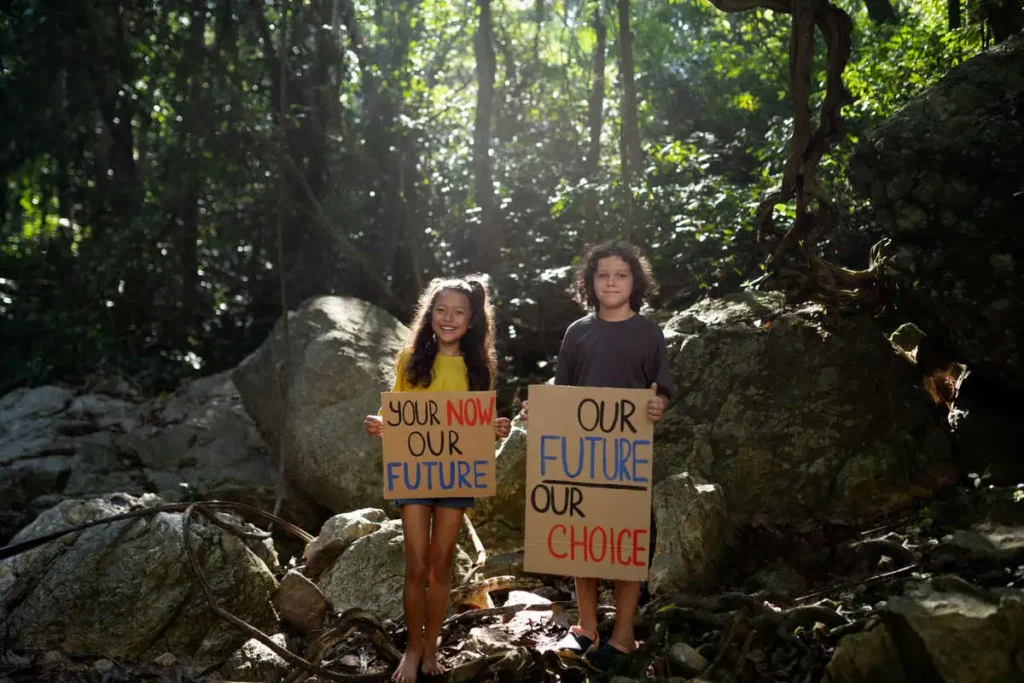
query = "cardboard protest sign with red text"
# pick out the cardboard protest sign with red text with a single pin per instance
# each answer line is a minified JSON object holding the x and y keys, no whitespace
{"x":438,"y":444}
{"x":588,"y":482}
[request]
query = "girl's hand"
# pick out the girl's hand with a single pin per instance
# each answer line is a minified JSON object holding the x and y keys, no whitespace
{"x":502,"y":426}
{"x":524,"y":411}
{"x":373,"y":425}
{"x":656,"y":406}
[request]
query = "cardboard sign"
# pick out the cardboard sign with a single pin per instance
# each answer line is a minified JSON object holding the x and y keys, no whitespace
{"x":588,"y":482}
{"x":438,"y":444}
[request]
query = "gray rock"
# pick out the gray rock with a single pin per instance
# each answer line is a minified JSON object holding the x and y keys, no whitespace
{"x":868,"y":656}
{"x":692,"y":524}
{"x":688,"y":658}
{"x":500,"y":520}
{"x":300,"y":603}
{"x":371,"y":573}
{"x":342,"y":357}
{"x":944,"y":174}
{"x":254,"y":662}
{"x":947,"y":630}
{"x":791,"y":411}
{"x":125,"y":589}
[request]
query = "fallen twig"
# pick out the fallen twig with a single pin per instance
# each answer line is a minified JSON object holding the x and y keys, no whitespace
{"x":864,"y":582}
{"x":481,"y":551}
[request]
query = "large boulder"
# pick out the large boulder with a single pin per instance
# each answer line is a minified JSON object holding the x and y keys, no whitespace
{"x":945,"y":176}
{"x":691,"y":520}
{"x":797,"y":413}
{"x":198,"y":442}
{"x":371,"y":573}
{"x":125,"y":589}
{"x":342,"y":357}
{"x":500,"y":520}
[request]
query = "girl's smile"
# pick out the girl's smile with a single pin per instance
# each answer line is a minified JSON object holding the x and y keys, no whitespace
{"x":450,"y":318}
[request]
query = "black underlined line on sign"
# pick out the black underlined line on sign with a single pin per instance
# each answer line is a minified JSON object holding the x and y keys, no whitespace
{"x":595,"y":485}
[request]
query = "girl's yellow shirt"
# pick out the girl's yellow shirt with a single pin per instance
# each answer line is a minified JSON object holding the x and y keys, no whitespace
{"x":449,"y":375}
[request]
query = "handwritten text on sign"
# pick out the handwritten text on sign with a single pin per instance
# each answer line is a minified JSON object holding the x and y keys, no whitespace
{"x":588,"y":482}
{"x":438,"y":444}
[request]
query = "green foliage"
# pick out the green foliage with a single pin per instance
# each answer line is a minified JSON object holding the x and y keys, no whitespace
{"x":145,"y":166}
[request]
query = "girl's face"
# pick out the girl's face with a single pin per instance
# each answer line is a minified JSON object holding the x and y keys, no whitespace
{"x":613,"y":282}
{"x":450,"y":316}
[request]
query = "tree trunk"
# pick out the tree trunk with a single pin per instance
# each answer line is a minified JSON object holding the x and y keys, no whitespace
{"x":487,"y":243}
{"x":953,"y":12}
{"x":596,"y":115}
{"x":629,"y":139}
{"x":881,"y":11}
{"x":1005,"y":17}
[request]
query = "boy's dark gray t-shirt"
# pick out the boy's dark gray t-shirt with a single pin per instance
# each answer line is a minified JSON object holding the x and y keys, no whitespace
{"x":626,"y":354}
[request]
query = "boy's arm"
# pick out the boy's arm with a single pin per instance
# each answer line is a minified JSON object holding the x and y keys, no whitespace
{"x":565,"y":371}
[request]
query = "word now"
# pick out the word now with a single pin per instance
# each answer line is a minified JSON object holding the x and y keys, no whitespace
{"x":467,"y":412}
{"x":621,"y":463}
{"x":597,"y":544}
{"x":436,"y":474}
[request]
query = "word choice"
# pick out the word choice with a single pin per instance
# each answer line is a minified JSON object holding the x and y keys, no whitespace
{"x":591,"y":454}
{"x":598,"y":544}
{"x":466,"y":412}
{"x":432,"y":474}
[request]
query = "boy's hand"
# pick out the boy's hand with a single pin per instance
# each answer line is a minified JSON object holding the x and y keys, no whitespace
{"x":502,"y":426}
{"x":373,"y":425}
{"x":524,"y":412}
{"x":656,"y":406}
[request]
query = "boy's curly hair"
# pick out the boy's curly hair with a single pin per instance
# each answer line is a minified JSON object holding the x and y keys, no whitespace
{"x":644,"y":284}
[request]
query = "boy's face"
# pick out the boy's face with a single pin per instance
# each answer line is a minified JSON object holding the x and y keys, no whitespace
{"x":613,"y":282}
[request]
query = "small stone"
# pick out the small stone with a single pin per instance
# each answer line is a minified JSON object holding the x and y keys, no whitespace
{"x":688,"y":658}
{"x":51,"y":659}
{"x":104,"y":666}
{"x":166,"y":660}
{"x":16,"y":661}
{"x":300,"y":603}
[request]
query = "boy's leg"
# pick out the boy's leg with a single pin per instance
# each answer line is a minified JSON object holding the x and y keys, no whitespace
{"x":586,"y":599}
{"x":627,"y":597}
{"x":416,"y":529}
{"x":447,"y":522}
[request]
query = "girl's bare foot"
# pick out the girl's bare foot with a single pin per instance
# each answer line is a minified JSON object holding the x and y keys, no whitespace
{"x":407,"y":668}
{"x":431,"y":666}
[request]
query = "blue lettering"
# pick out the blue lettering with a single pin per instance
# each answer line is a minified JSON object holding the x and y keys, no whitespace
{"x":464,"y":475}
{"x":593,"y":441}
{"x":639,"y":461}
{"x":623,"y":451}
{"x":565,"y":460}
{"x":412,"y":486}
{"x":544,"y":457}
{"x":392,"y":476}
{"x":604,"y":462}
{"x":479,"y":474}
{"x":440,"y":475}
{"x":431,"y":464}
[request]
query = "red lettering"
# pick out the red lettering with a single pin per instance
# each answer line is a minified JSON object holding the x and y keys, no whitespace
{"x":604,"y":544}
{"x":486,"y":418}
{"x":637,"y":548}
{"x":551,"y":547}
{"x":611,"y":542}
{"x":455,"y":414}
{"x":582,"y":543}
{"x":618,"y":550}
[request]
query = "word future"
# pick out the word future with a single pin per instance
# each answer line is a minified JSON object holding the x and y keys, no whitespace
{"x":434,"y":430}
{"x":608,"y":458}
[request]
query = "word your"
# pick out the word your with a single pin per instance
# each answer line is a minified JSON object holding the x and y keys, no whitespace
{"x":447,"y":474}
{"x":598,"y":544}
{"x":466,"y":412}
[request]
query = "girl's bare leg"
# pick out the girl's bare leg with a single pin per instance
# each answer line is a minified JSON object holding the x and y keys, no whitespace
{"x":627,"y":597}
{"x":586,"y":598}
{"x":416,"y":527}
{"x":447,"y":522}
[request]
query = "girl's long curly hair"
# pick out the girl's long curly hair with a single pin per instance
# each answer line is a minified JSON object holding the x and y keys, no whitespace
{"x":477,"y":345}
{"x":644,"y":284}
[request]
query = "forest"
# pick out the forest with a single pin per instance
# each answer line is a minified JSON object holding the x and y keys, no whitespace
{"x":175,"y":173}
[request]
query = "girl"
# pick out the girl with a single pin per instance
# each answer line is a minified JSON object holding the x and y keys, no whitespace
{"x":450,"y":348}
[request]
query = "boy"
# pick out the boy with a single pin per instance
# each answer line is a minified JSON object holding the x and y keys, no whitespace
{"x":612,"y":347}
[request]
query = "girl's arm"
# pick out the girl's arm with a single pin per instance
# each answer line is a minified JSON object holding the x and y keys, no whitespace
{"x":373,"y":425}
